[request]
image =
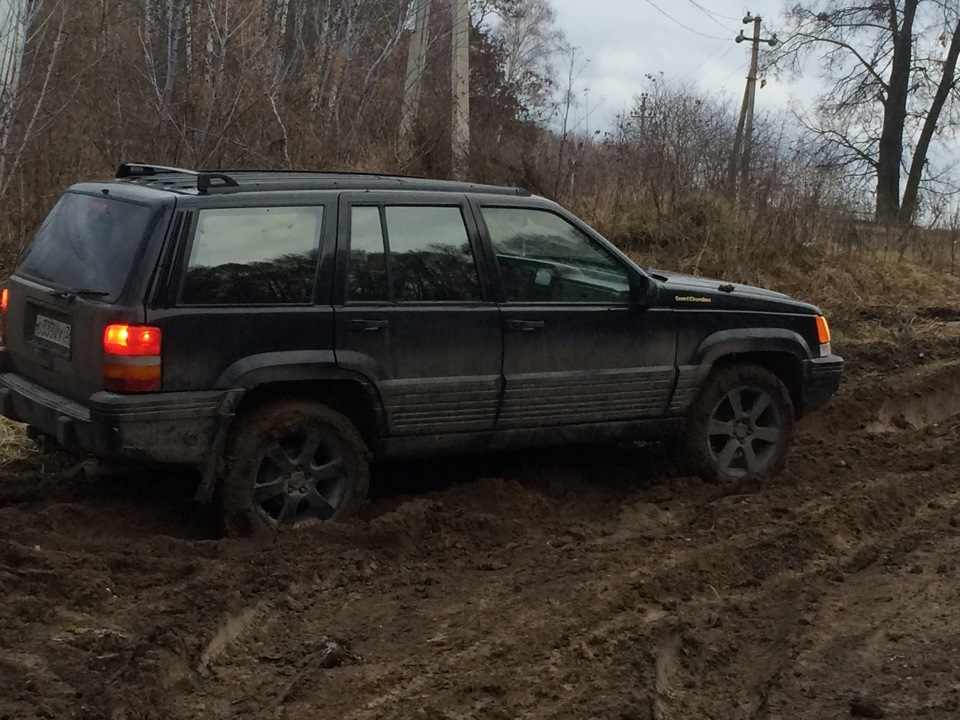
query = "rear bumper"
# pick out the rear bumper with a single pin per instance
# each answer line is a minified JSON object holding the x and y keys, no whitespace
{"x":821,"y":382}
{"x":163,"y":427}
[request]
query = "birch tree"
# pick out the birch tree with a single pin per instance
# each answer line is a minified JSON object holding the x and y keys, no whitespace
{"x":31,"y":40}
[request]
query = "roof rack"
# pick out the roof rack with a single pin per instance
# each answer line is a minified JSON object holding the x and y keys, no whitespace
{"x":184,"y":180}
{"x":205,"y":178}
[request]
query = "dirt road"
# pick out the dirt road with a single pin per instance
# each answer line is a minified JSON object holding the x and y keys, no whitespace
{"x":581,"y":584}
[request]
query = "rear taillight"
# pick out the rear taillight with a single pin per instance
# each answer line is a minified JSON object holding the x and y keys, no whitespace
{"x":4,"y":299}
{"x":131,"y":358}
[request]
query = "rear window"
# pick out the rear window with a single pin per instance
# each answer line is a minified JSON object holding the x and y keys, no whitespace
{"x":87,"y":243}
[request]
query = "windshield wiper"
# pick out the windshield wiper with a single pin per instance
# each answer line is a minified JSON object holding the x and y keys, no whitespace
{"x":74,"y":293}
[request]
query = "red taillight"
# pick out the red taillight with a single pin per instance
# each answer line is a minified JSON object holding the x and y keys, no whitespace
{"x":4,"y":299}
{"x":131,"y":340}
{"x":131,"y":358}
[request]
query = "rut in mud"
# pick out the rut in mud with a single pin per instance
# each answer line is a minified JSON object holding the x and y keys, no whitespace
{"x":586,"y":583}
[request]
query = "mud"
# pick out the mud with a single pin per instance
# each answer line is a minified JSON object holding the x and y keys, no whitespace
{"x":580,"y":584}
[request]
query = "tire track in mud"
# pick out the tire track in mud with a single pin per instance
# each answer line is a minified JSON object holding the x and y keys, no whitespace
{"x":742,"y":561}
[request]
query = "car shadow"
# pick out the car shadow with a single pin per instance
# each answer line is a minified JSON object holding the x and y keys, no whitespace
{"x":620,"y":469}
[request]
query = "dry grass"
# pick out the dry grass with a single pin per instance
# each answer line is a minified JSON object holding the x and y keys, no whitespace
{"x":837,"y":281}
{"x":14,"y":445}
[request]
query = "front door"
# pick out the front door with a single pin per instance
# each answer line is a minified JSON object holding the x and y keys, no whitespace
{"x":413,"y":314}
{"x":578,"y":350}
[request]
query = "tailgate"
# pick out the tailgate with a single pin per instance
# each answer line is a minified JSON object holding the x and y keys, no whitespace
{"x":67,"y":289}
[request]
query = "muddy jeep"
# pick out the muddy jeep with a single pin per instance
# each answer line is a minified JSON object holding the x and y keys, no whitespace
{"x":277,"y":330}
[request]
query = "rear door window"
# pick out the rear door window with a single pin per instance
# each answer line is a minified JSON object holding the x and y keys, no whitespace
{"x":87,"y":243}
{"x":430,"y":255}
{"x":253,"y":256}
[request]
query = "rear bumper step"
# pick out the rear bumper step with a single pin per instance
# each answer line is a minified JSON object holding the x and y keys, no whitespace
{"x":162,"y":427}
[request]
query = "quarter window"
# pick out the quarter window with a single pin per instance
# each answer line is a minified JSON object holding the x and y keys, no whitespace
{"x":253,"y":256}
{"x":544,"y":258}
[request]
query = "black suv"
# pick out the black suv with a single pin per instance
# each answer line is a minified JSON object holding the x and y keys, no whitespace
{"x":277,"y":329}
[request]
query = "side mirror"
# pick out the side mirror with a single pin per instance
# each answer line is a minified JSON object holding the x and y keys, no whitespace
{"x":644,"y":290}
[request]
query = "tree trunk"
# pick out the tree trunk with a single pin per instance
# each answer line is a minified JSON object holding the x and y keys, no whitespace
{"x":908,"y":208}
{"x":894,"y":117}
{"x":175,"y":13}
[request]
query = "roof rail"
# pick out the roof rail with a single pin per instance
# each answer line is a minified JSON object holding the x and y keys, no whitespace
{"x":205,"y":179}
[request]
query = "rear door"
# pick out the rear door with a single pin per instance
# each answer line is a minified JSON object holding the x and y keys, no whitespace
{"x":77,"y":277}
{"x":579,"y":349}
{"x":414,"y":312}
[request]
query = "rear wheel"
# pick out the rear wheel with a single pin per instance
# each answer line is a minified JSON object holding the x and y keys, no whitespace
{"x":740,"y":425}
{"x":291,"y":464}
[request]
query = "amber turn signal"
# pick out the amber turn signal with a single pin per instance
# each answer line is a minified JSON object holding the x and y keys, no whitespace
{"x":823,"y":330}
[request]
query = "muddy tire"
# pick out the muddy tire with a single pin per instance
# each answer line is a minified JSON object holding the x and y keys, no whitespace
{"x":291,"y":464}
{"x":739,"y":427}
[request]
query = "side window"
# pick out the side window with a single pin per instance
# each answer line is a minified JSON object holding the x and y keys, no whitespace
{"x":428,"y":256}
{"x":253,"y":256}
{"x":367,"y":277}
{"x":544,"y":258}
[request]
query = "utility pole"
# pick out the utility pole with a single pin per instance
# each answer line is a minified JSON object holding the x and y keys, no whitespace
{"x":460,"y":131}
{"x":740,"y":159}
{"x":416,"y":66}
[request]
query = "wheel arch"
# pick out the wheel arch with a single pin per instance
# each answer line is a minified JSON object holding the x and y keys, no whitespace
{"x":350,"y":395}
{"x":779,"y":350}
{"x":786,"y":366}
{"x":308,"y":375}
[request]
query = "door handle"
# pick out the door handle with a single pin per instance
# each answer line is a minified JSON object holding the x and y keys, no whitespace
{"x":527,"y":325}
{"x":369,"y":325}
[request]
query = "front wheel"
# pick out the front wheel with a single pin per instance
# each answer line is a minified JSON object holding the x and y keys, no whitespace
{"x":292,"y":463}
{"x":740,"y":425}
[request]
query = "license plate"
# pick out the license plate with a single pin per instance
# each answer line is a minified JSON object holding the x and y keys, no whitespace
{"x":53,"y":331}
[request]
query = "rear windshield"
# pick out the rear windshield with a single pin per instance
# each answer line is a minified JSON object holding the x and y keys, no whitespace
{"x":87,"y":243}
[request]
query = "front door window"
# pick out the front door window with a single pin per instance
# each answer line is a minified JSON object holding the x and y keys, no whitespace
{"x":545,"y":259}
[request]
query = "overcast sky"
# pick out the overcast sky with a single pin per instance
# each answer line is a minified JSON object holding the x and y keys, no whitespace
{"x":624,"y":40}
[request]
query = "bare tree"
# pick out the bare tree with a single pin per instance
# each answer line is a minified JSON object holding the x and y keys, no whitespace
{"x":31,"y":40}
{"x":531,"y":45}
{"x":893,"y":67}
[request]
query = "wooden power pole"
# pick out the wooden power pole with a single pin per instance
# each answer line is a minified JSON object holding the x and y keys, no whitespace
{"x":740,"y":159}
{"x":460,"y":131}
{"x":416,"y":66}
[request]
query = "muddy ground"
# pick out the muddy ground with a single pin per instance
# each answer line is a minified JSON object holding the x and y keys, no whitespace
{"x":574,"y":584}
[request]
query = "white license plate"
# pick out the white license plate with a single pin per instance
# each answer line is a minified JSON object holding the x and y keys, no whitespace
{"x":53,"y":331}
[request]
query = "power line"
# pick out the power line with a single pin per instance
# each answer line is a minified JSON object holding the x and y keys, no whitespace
{"x":689,"y":29}
{"x":712,"y":15}
{"x":706,"y":60}
{"x":740,"y":68}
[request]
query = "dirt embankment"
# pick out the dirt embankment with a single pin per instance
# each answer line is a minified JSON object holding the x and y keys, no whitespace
{"x":585,"y":584}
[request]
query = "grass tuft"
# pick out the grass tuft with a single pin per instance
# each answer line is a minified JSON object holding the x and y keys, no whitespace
{"x":15,"y":447}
